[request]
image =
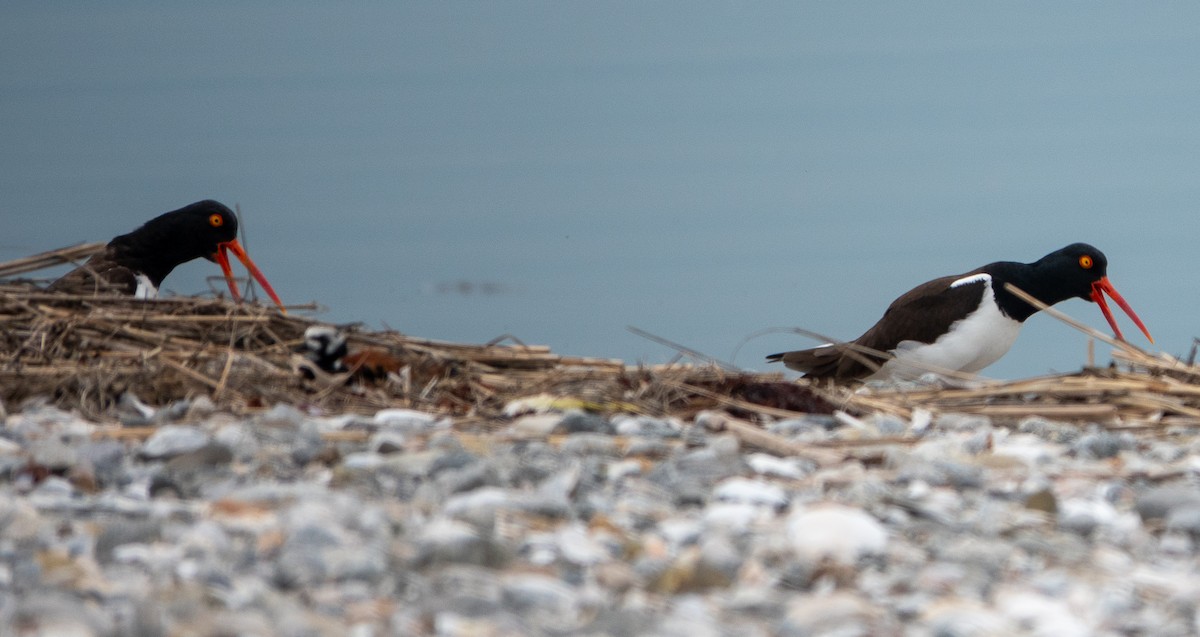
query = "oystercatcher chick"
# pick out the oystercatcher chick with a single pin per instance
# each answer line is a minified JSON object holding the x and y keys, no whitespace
{"x":964,"y":322}
{"x":136,"y":263}
{"x":325,"y":348}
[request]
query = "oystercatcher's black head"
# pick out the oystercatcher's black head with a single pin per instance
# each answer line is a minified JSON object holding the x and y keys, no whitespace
{"x":205,"y":229}
{"x":1078,"y":270}
{"x":1074,"y":269}
{"x":176,"y":237}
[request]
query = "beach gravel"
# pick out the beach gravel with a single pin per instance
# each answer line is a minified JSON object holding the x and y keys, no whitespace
{"x":287,"y":522}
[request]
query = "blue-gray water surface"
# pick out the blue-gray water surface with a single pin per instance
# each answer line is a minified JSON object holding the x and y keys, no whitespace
{"x":558,"y":171}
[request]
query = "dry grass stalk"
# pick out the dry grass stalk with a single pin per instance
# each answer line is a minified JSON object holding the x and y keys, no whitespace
{"x":72,"y":254}
{"x":752,"y":435}
{"x":83,"y":352}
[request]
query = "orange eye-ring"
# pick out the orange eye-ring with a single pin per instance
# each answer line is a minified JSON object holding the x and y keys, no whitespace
{"x":217,"y":221}
{"x":1085,"y":262}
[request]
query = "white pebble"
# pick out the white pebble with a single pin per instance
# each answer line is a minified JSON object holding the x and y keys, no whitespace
{"x":837,"y":532}
{"x":768,"y":465}
{"x":409,"y":420}
{"x":747,"y":491}
{"x":172,"y":440}
{"x":535,"y":426}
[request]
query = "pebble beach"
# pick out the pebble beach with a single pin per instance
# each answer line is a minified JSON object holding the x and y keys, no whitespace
{"x":185,"y":519}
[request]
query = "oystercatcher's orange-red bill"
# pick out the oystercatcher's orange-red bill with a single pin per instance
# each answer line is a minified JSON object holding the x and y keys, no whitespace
{"x":222,"y":259}
{"x":1102,"y":287}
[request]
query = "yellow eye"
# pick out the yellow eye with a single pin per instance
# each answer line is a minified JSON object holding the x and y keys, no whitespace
{"x":1085,"y":262}
{"x":217,"y":221}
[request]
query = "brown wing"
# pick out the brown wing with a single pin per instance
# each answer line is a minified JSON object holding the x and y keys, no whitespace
{"x":100,"y":274}
{"x":922,"y":314}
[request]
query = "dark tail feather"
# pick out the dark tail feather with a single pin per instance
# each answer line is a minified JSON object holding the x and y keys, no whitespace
{"x":808,"y":360}
{"x":840,"y":362}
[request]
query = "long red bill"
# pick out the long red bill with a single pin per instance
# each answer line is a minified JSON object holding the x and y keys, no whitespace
{"x":223,"y":260}
{"x":1102,"y":287}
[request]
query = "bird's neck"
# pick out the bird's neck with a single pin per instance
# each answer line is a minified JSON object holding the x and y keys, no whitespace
{"x":1024,"y":276}
{"x":136,"y":250}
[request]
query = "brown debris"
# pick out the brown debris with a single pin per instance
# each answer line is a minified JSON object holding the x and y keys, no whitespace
{"x":75,"y":254}
{"x":84,"y":351}
{"x":1155,"y":390}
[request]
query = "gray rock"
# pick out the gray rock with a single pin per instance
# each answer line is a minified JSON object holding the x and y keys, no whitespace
{"x":543,"y":601}
{"x":835,"y":532}
{"x":740,"y":490}
{"x":887,"y":424}
{"x":51,"y":452}
{"x":648,"y":448}
{"x":808,"y":426}
{"x":943,"y":472}
{"x":206,"y":457}
{"x":52,"y":492}
{"x":240,"y":439}
{"x":60,"y":614}
{"x":200,"y":408}
{"x":19,"y":520}
{"x":172,"y":440}
{"x":646,"y":426}
{"x":773,"y":466}
{"x":409,"y":421}
{"x":534,"y":425}
{"x":120,"y":532}
{"x":843,"y":614}
{"x":1158,"y":502}
{"x":533,"y":461}
{"x":1049,"y":430}
{"x":281,"y":416}
{"x":690,"y":476}
{"x":1099,"y":445}
{"x":447,"y":541}
{"x":475,"y":473}
{"x":305,"y":445}
{"x":961,"y":422}
{"x":106,"y":458}
{"x":132,"y":412}
{"x":480,"y":506}
{"x":177,"y":410}
{"x":386,"y":442}
{"x":587,"y":444}
{"x":575,"y":422}
{"x":1185,"y":518}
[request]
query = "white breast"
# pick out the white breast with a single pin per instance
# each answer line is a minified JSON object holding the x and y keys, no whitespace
{"x":972,"y":343}
{"x":145,"y":288}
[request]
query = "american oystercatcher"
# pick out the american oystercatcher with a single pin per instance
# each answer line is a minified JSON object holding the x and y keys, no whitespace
{"x":136,"y":263}
{"x":325,"y":347}
{"x":964,"y":322}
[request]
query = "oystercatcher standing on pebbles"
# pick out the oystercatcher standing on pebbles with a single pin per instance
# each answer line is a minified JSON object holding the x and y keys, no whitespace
{"x":963,"y":322}
{"x":136,"y":263}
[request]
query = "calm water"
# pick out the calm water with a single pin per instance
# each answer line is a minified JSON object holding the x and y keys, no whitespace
{"x":557,"y":171}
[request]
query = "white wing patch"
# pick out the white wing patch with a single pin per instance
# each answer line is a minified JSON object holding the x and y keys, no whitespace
{"x":145,"y":288}
{"x":974,"y":278}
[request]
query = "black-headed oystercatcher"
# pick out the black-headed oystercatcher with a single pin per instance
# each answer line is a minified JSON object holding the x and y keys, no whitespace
{"x":136,"y":263}
{"x":963,"y":322}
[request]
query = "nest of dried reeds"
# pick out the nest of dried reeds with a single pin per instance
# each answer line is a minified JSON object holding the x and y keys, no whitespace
{"x":84,"y":352}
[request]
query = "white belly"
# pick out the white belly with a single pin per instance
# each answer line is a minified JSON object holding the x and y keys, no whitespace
{"x":971,"y":344}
